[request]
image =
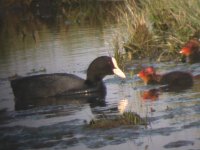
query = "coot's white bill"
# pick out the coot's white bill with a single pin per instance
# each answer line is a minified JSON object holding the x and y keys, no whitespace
{"x":116,"y":69}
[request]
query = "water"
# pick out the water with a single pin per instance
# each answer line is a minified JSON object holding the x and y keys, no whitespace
{"x":174,"y":118}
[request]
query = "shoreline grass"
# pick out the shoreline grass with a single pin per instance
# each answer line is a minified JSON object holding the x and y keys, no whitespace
{"x":156,"y":29}
{"x":153,"y":29}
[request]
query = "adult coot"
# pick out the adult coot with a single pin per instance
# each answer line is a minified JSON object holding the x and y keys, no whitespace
{"x":63,"y":84}
{"x":173,"y":81}
{"x":192,"y":51}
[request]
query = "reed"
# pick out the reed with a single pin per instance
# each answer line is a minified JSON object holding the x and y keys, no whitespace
{"x":158,"y":28}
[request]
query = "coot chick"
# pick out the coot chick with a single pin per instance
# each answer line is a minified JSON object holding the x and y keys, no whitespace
{"x":63,"y":84}
{"x":192,"y":51}
{"x":173,"y":81}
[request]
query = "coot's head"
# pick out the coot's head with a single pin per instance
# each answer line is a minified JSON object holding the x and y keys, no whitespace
{"x":147,"y":74}
{"x":102,"y":66}
{"x":185,"y":51}
{"x":191,"y":47}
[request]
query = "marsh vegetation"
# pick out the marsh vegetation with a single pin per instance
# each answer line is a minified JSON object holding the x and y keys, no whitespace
{"x":126,"y":119}
{"x":156,"y":29}
{"x":149,"y":29}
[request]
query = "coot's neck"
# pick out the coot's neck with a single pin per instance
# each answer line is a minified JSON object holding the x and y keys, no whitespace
{"x":94,"y":80}
{"x":154,"y":79}
{"x":94,"y":74}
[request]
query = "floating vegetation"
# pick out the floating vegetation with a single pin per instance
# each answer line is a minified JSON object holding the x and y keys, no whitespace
{"x":126,"y":119}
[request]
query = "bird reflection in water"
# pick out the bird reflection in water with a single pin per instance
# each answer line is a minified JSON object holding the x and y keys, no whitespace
{"x":122,"y":105}
{"x":152,"y":94}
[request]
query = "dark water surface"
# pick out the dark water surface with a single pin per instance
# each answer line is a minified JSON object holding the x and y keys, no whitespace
{"x":174,"y":117}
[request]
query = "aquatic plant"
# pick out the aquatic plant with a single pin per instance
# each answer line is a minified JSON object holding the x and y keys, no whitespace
{"x":157,"y":28}
{"x":126,"y":119}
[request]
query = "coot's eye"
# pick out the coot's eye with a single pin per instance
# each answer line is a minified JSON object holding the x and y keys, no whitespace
{"x":110,"y":63}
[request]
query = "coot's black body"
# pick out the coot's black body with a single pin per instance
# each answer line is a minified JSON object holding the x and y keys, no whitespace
{"x":63,"y":84}
{"x":48,"y":85}
{"x":177,"y":80}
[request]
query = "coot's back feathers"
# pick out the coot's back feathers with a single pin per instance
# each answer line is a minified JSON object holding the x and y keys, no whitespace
{"x":45,"y":85}
{"x":177,"y":79}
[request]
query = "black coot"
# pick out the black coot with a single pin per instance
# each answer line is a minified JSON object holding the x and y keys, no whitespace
{"x":63,"y":84}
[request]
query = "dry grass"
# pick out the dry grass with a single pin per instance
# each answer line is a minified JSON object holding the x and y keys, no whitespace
{"x":158,"y":28}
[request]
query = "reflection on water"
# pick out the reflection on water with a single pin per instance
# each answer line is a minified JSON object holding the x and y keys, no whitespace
{"x":60,"y":124}
{"x":122,"y":105}
{"x":152,"y":94}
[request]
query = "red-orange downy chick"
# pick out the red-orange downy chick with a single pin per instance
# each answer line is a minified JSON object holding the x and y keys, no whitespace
{"x":192,"y":51}
{"x":175,"y":80}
